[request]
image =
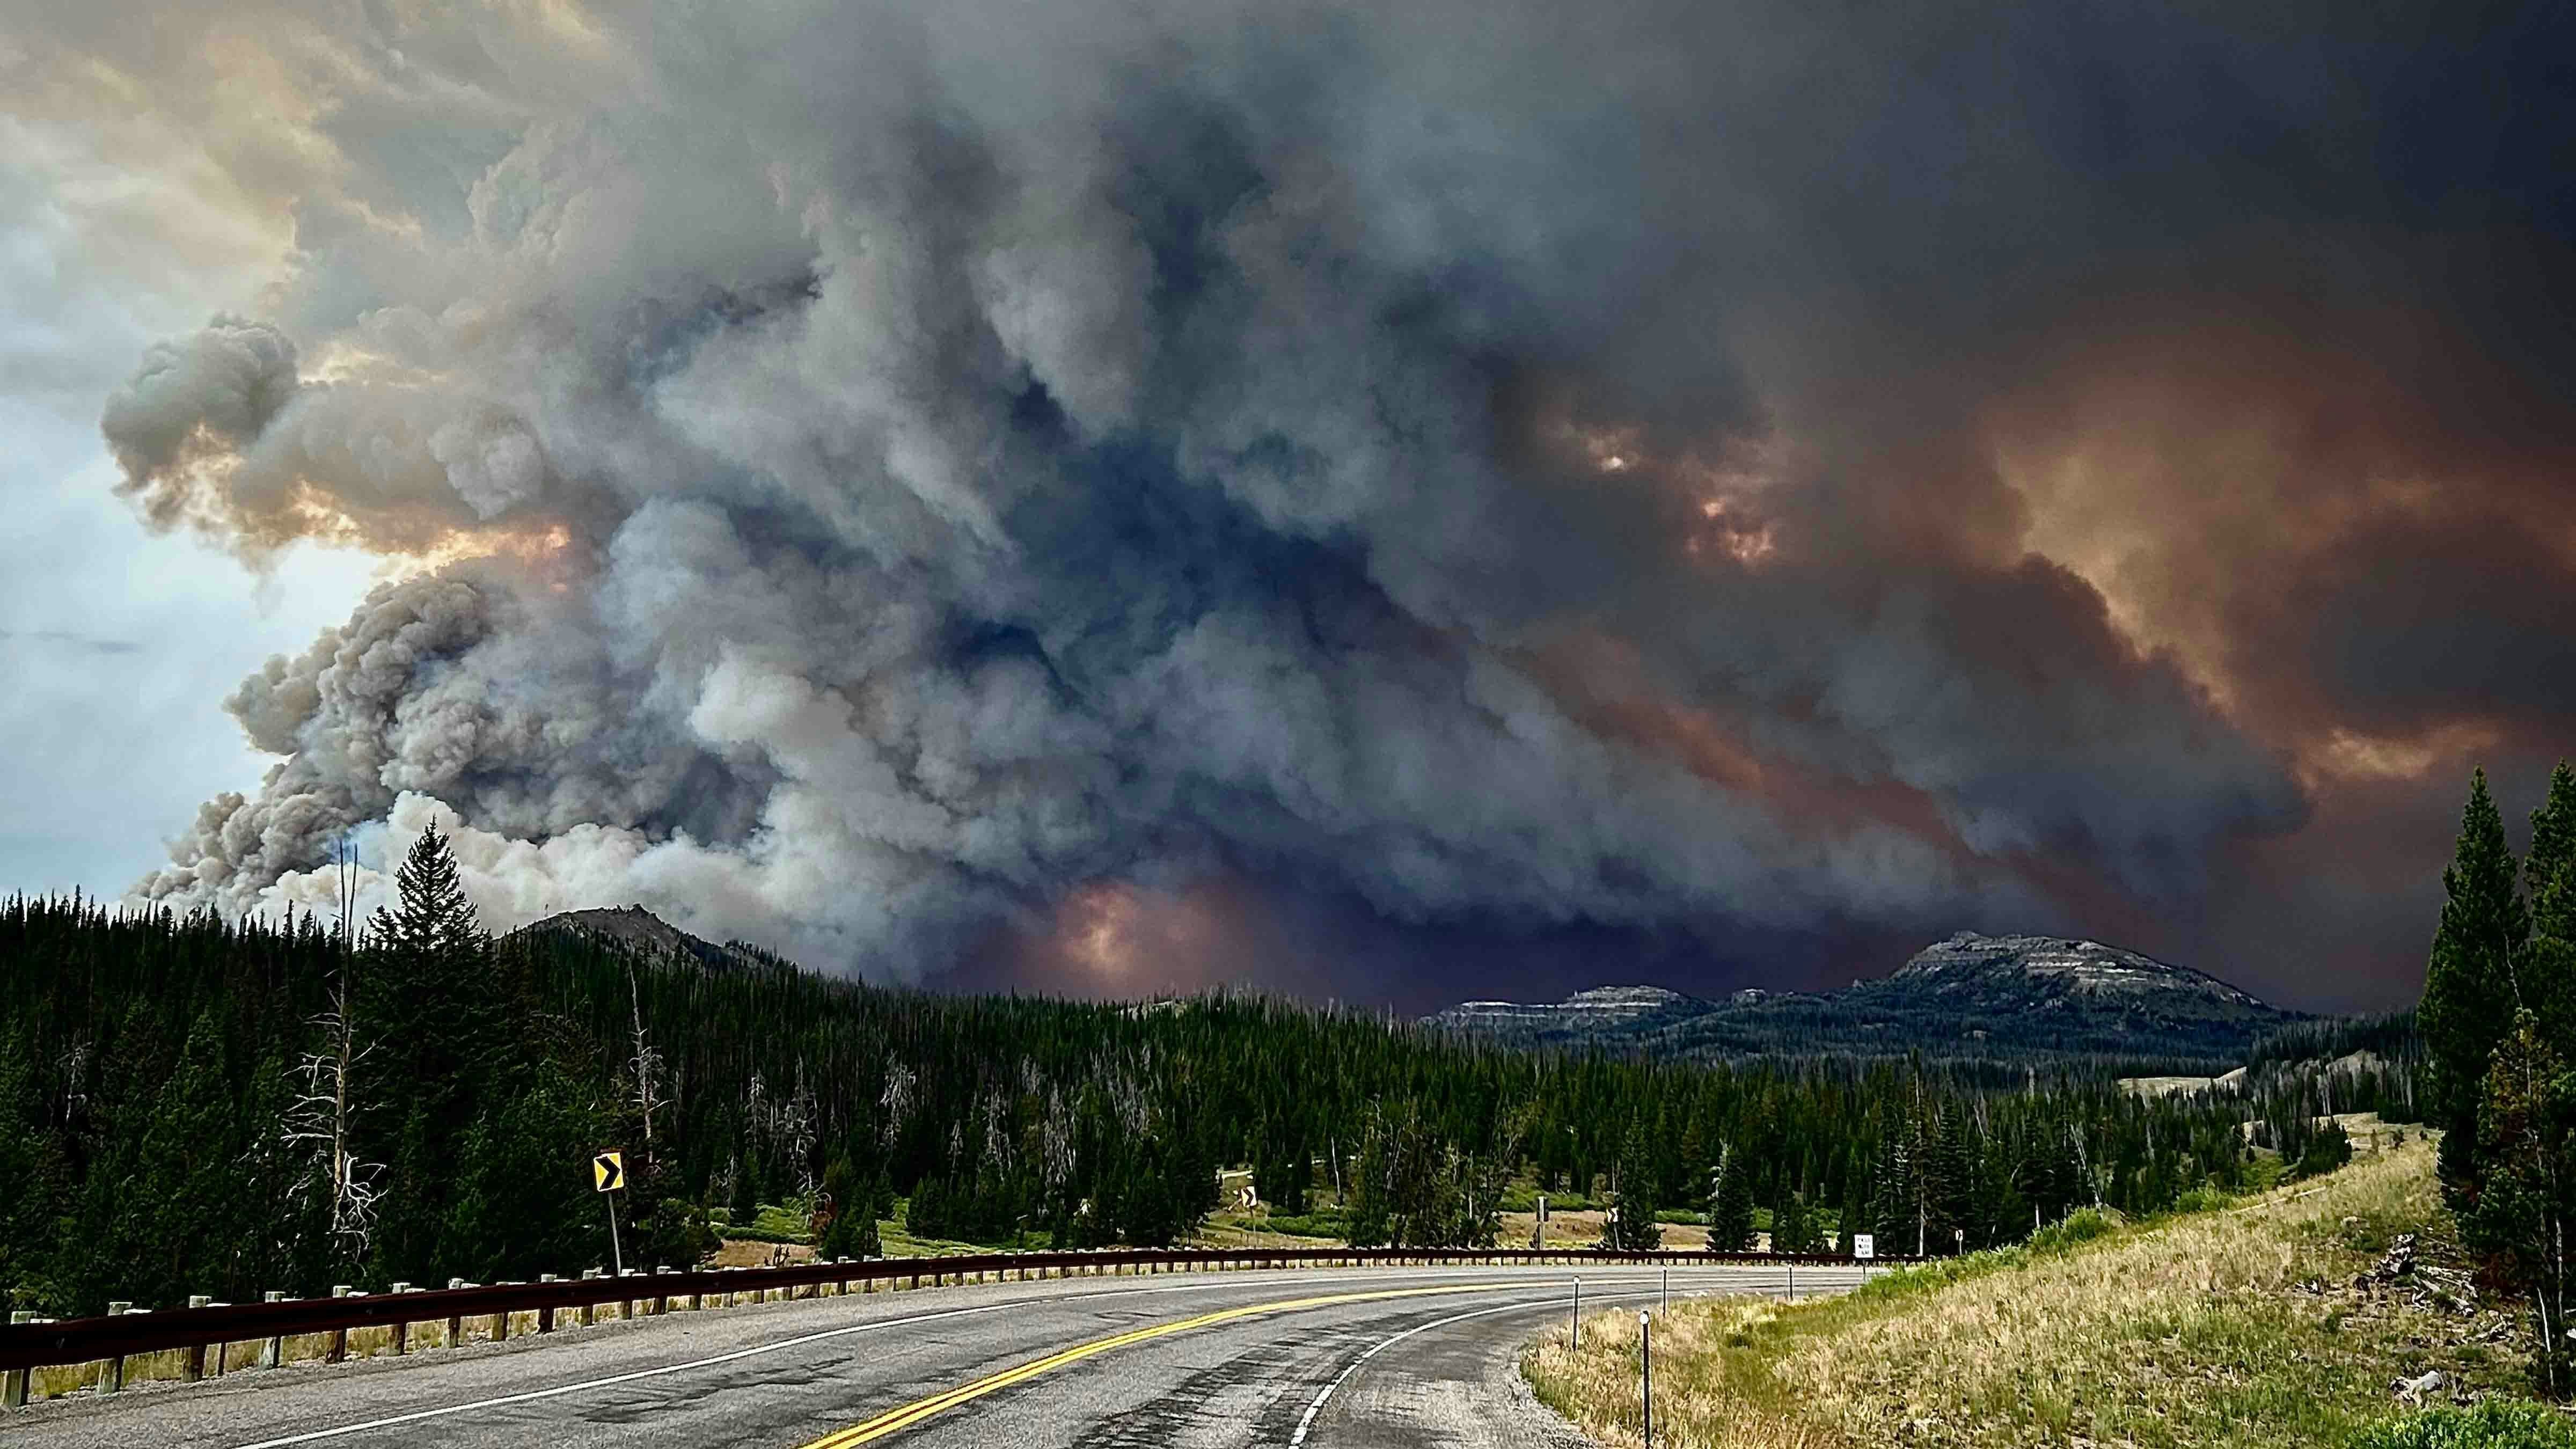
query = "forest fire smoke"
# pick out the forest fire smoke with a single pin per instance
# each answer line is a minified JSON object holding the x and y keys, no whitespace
{"x":895,"y":500}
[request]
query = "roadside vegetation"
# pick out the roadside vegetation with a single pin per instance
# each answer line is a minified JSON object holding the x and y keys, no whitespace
{"x":2434,"y":1270}
{"x":2279,"y":1321}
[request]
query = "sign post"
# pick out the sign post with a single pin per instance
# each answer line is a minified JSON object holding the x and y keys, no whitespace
{"x":1646,"y":1374}
{"x":1864,"y":1247}
{"x":608,"y":1174}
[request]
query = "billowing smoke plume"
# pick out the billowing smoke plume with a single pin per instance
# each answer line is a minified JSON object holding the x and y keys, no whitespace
{"x":873,"y":471}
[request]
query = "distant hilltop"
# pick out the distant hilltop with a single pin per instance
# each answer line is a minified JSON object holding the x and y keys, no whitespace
{"x":2006,"y":998}
{"x":639,"y":931}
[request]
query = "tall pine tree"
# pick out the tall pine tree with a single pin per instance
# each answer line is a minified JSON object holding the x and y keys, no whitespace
{"x":2528,"y":1152}
{"x":434,"y":1022}
{"x":2470,"y":993}
{"x":1730,"y":1206}
{"x":2548,"y":972}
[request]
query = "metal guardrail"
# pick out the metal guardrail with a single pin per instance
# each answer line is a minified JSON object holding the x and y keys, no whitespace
{"x":110,"y":1340}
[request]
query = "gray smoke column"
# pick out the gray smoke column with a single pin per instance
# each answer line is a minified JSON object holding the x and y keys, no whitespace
{"x":876,"y":471}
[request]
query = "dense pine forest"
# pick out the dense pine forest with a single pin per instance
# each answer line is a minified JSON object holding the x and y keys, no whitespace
{"x":189,"y":1105}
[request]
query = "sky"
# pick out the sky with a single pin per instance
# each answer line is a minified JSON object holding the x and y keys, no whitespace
{"x":1389,"y":504}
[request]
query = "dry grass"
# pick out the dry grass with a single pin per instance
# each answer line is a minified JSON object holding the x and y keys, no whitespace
{"x":1581,"y":1228}
{"x":2193,"y":1330}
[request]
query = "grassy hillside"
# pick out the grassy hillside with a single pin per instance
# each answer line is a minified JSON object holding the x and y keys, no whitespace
{"x":2236,"y":1325}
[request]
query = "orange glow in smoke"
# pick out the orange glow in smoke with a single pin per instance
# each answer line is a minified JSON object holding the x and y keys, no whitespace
{"x":1124,"y":938}
{"x":534,"y":544}
{"x":1725,"y":495}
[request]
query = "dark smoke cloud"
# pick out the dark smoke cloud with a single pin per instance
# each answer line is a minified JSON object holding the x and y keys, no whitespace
{"x":1742,"y":474}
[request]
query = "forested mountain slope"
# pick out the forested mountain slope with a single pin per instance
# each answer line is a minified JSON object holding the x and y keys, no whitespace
{"x":167,"y":1118}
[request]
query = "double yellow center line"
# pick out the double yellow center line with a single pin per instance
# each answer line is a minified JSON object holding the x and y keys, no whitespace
{"x":895,"y":1421}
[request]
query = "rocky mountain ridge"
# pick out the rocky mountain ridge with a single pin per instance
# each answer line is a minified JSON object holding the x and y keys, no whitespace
{"x":2009,"y":998}
{"x":633,"y":928}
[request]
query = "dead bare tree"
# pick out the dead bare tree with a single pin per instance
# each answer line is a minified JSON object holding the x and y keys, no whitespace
{"x":2084,"y":1163}
{"x":798,"y":1133}
{"x":645,"y":1068}
{"x":322,"y":1117}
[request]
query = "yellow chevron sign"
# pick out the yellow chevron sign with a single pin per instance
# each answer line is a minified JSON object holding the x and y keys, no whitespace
{"x":608,"y":1170}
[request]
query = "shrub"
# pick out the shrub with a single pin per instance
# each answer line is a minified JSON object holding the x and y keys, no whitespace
{"x":2495,"y":1424}
{"x":2329,"y":1149}
{"x":2080,"y":1226}
{"x":1325,"y":1224}
{"x":2203,"y":1199}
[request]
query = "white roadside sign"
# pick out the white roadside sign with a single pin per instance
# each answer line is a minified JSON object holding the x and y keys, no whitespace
{"x":1864,"y":1246}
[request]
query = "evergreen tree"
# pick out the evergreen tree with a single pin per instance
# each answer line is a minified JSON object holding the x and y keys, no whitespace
{"x":1372,"y":1219}
{"x":432,"y":920}
{"x":2521,"y":1218}
{"x":2469,"y":988}
{"x":1280,"y":1179}
{"x":1853,"y":1217}
{"x":1950,"y":1182}
{"x":1793,"y":1226}
{"x":432,"y":1022}
{"x":29,"y":1210}
{"x":175,"y":1215}
{"x":2553,"y":830}
{"x":2549,"y":971}
{"x":1730,"y":1206}
{"x":2327,"y":1148}
{"x":1632,"y":1227}
{"x":848,"y":1204}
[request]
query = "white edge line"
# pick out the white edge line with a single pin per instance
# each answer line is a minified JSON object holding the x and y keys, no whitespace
{"x":1306,"y":1420}
{"x":754,"y":1351}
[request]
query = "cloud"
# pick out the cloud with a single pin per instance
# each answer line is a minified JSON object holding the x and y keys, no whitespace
{"x":881,"y":472}
{"x":66,"y":639}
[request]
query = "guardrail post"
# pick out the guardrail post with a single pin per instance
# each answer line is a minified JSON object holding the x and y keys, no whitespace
{"x":546,"y":1315}
{"x":272,"y":1352}
{"x":111,"y":1370}
{"x":339,"y":1336}
{"x":501,"y":1320}
{"x":196,"y":1362}
{"x":590,"y":1310}
{"x":13,"y":1384}
{"x":455,"y":1322}
{"x":401,"y":1344}
{"x":626,"y":1306}
{"x":661,"y":1301}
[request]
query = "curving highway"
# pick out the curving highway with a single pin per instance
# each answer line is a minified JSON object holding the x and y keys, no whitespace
{"x":1313,"y":1359}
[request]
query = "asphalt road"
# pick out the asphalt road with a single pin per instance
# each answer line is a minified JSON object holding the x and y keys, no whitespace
{"x":1347,"y":1359}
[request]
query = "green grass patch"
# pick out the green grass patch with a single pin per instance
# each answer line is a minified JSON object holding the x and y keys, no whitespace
{"x":2494,"y":1424}
{"x":1333,"y":1224}
{"x":2187,"y":1330}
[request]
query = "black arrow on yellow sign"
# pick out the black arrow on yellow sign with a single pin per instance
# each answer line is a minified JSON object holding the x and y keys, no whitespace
{"x":608,"y":1171}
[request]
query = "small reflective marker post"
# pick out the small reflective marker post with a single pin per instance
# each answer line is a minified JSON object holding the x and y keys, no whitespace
{"x":1578,"y":1315}
{"x":1668,"y":1290}
{"x":1646,"y":1373}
